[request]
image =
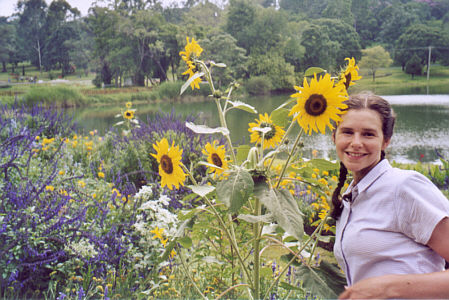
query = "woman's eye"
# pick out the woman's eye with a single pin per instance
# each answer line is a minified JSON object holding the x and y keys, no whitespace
{"x":369,"y":134}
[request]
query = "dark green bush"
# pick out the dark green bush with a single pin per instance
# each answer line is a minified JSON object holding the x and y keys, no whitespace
{"x":258,"y":85}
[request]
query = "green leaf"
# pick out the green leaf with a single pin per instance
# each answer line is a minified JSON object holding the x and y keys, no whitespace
{"x":202,"y":129}
{"x":243,"y":106}
{"x":280,"y":117}
{"x":290,"y":287}
{"x":235,"y":190}
{"x":326,"y":281}
{"x":201,"y":190}
{"x":242,"y":153}
{"x":283,"y":207}
{"x":191,"y":79}
{"x":184,"y":225}
{"x":168,"y":250}
{"x":313,"y":70}
{"x":219,"y":65}
{"x":268,"y":218}
{"x":186,"y":242}
{"x":324,"y":165}
{"x":212,"y":259}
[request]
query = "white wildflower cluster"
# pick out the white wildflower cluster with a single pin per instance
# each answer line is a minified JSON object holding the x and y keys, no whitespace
{"x":155,"y":224}
{"x":83,"y":248}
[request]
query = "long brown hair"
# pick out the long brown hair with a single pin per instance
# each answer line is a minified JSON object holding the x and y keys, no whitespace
{"x":387,"y":117}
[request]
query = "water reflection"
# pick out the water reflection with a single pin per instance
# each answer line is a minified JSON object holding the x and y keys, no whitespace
{"x":422,"y":124}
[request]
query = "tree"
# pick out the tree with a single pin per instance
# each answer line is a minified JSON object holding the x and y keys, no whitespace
{"x":346,"y":37}
{"x":417,"y":39}
{"x":240,"y":18}
{"x":32,"y":14}
{"x":266,"y":32}
{"x":339,"y":9}
{"x":104,"y":23}
{"x":222,"y":48}
{"x":7,"y":36}
{"x":320,"y":51}
{"x":365,"y":22}
{"x":414,"y":66}
{"x":273,"y":66}
{"x":395,"y":20}
{"x":375,"y":58}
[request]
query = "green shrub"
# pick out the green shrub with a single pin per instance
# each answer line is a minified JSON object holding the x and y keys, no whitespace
{"x":258,"y":85}
{"x":60,"y":96}
{"x":171,"y":89}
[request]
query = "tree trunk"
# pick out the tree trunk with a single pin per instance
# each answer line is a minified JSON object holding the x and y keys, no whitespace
{"x":4,"y":70}
{"x":139,"y":78}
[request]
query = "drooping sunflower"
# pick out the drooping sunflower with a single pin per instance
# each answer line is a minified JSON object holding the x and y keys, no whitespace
{"x":169,"y":159}
{"x":128,"y":114}
{"x":272,"y":137}
{"x":318,"y":103}
{"x":216,"y":156}
{"x":350,"y":74}
{"x":196,"y":82}
{"x":192,"y":51}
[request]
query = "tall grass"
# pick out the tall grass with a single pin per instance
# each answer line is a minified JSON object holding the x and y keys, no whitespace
{"x":59,"y":96}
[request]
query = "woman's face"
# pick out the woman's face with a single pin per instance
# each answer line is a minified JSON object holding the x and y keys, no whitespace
{"x":359,"y":141}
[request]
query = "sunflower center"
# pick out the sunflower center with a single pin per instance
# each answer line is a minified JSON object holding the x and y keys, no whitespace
{"x":348,"y":80}
{"x":316,"y":105}
{"x":270,"y":134}
{"x":216,"y":160}
{"x":166,"y":164}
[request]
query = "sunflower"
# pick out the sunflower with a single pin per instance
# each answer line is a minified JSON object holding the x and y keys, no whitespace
{"x":129,"y":104}
{"x":350,"y":74}
{"x":216,"y":156}
{"x":318,"y":103}
{"x":191,"y":53}
{"x":128,"y":114}
{"x":272,"y":137}
{"x":195,"y":83}
{"x":169,"y":159}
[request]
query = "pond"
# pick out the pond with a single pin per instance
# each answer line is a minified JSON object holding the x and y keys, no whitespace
{"x":422,"y":126}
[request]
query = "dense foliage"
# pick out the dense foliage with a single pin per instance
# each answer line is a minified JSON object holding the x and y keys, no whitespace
{"x":139,"y":41}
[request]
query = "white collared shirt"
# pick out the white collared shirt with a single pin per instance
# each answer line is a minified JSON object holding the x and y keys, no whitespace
{"x":386,"y":226}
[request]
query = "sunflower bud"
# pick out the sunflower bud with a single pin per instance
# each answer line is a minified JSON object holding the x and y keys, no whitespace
{"x":253,"y":157}
{"x":217,"y":94}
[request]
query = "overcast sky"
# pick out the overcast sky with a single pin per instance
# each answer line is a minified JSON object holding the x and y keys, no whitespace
{"x":7,"y":7}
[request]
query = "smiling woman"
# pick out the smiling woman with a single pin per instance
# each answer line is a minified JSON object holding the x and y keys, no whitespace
{"x":387,"y":217}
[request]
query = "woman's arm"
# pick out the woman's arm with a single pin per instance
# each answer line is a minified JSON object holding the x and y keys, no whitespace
{"x":432,"y":285}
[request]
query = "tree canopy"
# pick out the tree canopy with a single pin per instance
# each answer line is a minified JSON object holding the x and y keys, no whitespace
{"x":141,"y":39}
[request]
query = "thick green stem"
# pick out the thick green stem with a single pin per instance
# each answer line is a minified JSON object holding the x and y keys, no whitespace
{"x":186,"y":269}
{"x":230,"y":235}
{"x":289,"y":157}
{"x":320,"y":228}
{"x":223,"y":124}
{"x":295,"y":256}
{"x":256,"y":230}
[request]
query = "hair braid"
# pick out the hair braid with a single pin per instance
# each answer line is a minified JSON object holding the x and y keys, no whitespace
{"x":336,"y":198}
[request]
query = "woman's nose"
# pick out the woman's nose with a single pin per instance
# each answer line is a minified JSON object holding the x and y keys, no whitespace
{"x":356,"y":140}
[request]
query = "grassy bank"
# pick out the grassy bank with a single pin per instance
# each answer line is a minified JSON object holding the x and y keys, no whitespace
{"x":394,"y":81}
{"x":388,"y":81}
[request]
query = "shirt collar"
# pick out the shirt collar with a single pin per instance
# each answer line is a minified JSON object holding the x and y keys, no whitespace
{"x":373,"y":174}
{"x":368,"y":179}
